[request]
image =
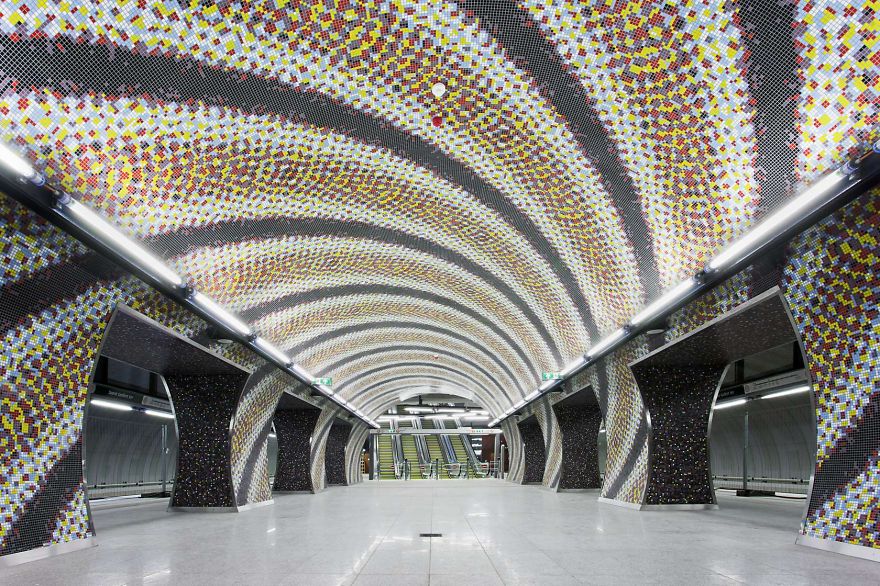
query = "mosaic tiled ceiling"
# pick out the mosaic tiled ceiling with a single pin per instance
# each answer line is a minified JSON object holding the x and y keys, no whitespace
{"x":292,"y":160}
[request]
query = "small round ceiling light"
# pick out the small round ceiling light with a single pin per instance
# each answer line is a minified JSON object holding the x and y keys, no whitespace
{"x":439,"y":90}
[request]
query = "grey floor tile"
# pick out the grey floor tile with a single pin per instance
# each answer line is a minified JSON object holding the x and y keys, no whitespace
{"x":494,"y":532}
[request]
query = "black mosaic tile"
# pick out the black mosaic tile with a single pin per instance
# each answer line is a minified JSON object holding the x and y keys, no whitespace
{"x":334,"y":456}
{"x":294,"y":429}
{"x":204,"y":407}
{"x":535,"y":455}
{"x":579,"y":424}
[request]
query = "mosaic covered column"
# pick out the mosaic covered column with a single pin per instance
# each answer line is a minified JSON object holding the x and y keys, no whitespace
{"x":334,"y":456}
{"x":204,"y":405}
{"x":678,"y":384}
{"x":294,"y":429}
{"x":679,"y":400}
{"x":579,"y":424}
{"x":535,"y":456}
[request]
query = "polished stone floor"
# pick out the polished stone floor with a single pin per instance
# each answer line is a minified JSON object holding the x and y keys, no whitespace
{"x":493,"y":533}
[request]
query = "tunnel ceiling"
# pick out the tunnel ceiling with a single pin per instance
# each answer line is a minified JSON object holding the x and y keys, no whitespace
{"x":292,"y":160}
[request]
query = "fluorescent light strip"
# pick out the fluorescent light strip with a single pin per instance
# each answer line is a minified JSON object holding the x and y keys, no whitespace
{"x":777,"y":220}
{"x":664,"y":301}
{"x":221,"y":314}
{"x":110,"y":405}
{"x":547,"y":385}
{"x":270,"y":349}
{"x":110,"y":236}
{"x":533,"y":395}
{"x":786,"y":392}
{"x":16,"y":163}
{"x":732,"y":403}
{"x":155,"y":413}
{"x":450,"y":410}
{"x":302,"y":373}
{"x":606,"y":342}
{"x":573,"y":367}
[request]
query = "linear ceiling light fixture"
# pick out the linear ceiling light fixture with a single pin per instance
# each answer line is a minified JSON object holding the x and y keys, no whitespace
{"x":162,"y":414}
{"x":270,"y":349}
{"x":20,"y":180}
{"x":221,"y":314}
{"x":665,"y":301}
{"x":767,"y":229}
{"x":18,"y":166}
{"x":119,"y":242}
{"x":787,"y":392}
{"x":728,"y":404}
{"x":111,"y":405}
{"x":573,"y":367}
{"x":825,"y":195}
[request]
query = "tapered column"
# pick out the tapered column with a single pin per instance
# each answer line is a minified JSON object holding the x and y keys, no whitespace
{"x":294,"y":429}
{"x":579,"y":425}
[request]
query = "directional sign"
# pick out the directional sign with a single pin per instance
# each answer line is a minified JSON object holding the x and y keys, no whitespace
{"x":550,"y":376}
{"x":326,"y":381}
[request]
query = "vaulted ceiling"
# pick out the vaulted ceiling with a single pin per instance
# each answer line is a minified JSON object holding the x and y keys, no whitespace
{"x":291,"y":160}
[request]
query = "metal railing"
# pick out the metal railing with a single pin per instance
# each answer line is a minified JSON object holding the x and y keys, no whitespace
{"x":789,"y":485}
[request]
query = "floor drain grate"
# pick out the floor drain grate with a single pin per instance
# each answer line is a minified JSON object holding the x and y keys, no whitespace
{"x":430,"y":535}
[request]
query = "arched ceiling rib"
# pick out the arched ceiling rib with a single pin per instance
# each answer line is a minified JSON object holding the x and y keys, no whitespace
{"x":284,"y":159}
{"x":338,"y":342}
{"x":431,"y":348}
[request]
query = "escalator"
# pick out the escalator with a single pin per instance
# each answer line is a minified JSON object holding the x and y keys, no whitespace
{"x":386,"y":456}
{"x":410,"y":452}
{"x":434,"y":450}
{"x":464,"y":452}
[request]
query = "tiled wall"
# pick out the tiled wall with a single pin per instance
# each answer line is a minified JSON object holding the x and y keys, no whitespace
{"x":53,"y":318}
{"x":534,"y":451}
{"x":832,"y":283}
{"x":626,"y":427}
{"x":546,"y":418}
{"x":360,"y":433}
{"x":318,"y":450}
{"x":516,"y":454}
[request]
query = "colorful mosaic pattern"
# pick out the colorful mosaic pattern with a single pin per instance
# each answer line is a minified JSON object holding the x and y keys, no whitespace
{"x":359,"y":434}
{"x":282,"y":156}
{"x":833,"y":289}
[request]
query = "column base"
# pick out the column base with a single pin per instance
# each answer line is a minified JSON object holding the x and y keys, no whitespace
{"x":622,"y":504}
{"x":682,"y":507}
{"x":47,"y":551}
{"x":850,"y":549}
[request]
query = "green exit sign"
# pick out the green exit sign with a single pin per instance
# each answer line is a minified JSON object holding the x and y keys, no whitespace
{"x":550,"y":375}
{"x":326,"y":381}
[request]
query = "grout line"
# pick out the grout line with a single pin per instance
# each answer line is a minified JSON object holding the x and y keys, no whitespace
{"x":390,"y":526}
{"x":483,"y":549}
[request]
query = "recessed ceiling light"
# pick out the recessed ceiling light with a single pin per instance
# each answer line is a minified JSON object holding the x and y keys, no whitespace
{"x":438,"y":89}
